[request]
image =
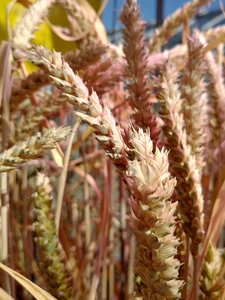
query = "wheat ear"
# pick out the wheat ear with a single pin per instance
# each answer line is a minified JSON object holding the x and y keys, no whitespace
{"x":153,"y":223}
{"x":210,"y":282}
{"x":194,"y":99}
{"x":36,"y":146}
{"x":136,"y":71}
{"x":52,"y":258}
{"x":23,"y":32}
{"x":76,"y":93}
{"x":216,"y":101}
{"x":183,"y":163}
{"x":172,"y":22}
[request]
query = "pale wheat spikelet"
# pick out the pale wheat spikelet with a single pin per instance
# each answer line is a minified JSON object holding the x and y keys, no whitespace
{"x":136,"y":71}
{"x":183,"y":163}
{"x":51,"y":256}
{"x":153,"y":222}
{"x":194,"y":99}
{"x":23,"y":32}
{"x":172,"y":22}
{"x":210,"y":282}
{"x":81,"y":60}
{"x":75,"y":92}
{"x":37,"y":145}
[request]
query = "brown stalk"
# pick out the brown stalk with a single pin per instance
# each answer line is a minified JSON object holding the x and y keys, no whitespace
{"x":111,"y":230}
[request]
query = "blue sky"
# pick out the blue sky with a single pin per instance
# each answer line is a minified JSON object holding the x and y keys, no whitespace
{"x":148,"y":9}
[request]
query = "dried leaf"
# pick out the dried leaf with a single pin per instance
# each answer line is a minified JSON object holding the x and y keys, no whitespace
{"x":4,"y":295}
{"x":34,"y":289}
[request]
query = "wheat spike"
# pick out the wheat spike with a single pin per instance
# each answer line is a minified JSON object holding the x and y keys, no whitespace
{"x":52,"y":258}
{"x":36,"y":146}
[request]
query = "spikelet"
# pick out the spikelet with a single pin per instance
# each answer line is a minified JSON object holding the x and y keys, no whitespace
{"x":136,"y":71}
{"x":51,"y":256}
{"x":23,"y":32}
{"x":183,"y":163}
{"x":36,"y":146}
{"x":210,"y":282}
{"x":194,"y":99}
{"x":172,"y":22}
{"x":153,"y":223}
